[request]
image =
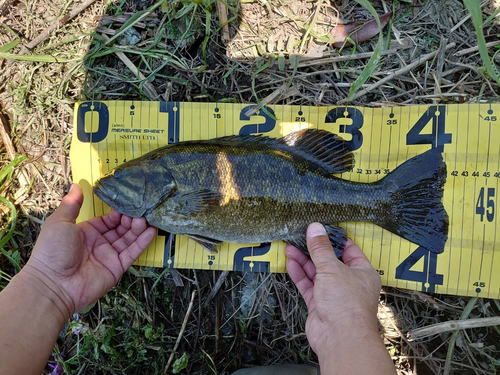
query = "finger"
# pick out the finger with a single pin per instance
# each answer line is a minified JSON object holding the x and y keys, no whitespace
{"x":138,"y":225}
{"x":111,"y":236}
{"x":305,"y":262}
{"x":70,"y":206}
{"x":112,"y":219}
{"x":304,"y":284}
{"x":320,"y":248}
{"x":106,"y":222}
{"x":125,"y":225}
{"x":128,"y":233}
{"x":354,"y":257}
{"x":130,"y":255}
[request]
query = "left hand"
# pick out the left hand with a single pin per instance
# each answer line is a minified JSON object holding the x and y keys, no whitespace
{"x":80,"y":262}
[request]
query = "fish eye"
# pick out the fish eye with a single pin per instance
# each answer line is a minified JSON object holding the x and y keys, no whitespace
{"x":117,"y":175}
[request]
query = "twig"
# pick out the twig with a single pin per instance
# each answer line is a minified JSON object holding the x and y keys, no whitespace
{"x":184,"y":323}
{"x":65,"y":19}
{"x":333,"y":59}
{"x":284,"y":91}
{"x":454,"y":325}
{"x":440,"y":62}
{"x":476,"y":48}
{"x":149,"y":89}
{"x":397,"y":73}
{"x":222,"y":12}
{"x":11,"y":150}
{"x":217,"y":286}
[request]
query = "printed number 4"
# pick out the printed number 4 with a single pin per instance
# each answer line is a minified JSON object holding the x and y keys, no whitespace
{"x":428,"y":276}
{"x":490,"y":204}
{"x":438,"y":138}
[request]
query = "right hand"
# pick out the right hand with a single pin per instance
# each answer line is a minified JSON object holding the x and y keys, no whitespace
{"x":341,"y":298}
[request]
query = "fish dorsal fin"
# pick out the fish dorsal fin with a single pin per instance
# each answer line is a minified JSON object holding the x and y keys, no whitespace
{"x":247,"y":138}
{"x":324,"y":149}
{"x":321,"y":147}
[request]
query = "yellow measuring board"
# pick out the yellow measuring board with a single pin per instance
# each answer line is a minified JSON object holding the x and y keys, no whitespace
{"x":107,"y":134}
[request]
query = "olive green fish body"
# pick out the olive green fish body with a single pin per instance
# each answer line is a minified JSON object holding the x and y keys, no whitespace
{"x":250,"y":189}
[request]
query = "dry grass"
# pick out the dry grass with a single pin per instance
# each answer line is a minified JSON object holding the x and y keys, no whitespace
{"x":276,"y":53}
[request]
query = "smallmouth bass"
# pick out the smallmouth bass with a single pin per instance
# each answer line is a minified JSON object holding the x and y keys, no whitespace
{"x":255,"y":189}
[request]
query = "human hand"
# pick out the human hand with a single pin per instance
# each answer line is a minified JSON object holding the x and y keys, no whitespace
{"x":80,"y":262}
{"x":341,"y":299}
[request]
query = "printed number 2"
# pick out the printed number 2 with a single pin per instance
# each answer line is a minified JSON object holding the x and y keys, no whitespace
{"x":428,"y":276}
{"x":490,"y":204}
{"x":438,"y":138}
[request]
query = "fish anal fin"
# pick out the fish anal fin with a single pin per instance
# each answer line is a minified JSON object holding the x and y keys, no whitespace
{"x":299,"y":243}
{"x":338,"y":238}
{"x":336,"y":235}
{"x":323,"y":148}
{"x":208,"y":243}
{"x":195,"y":201}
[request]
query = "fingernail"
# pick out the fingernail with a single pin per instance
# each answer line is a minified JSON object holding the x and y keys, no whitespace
{"x":71,"y":188}
{"x":316,"y":229}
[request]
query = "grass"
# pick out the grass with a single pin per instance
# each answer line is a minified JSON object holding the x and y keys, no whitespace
{"x":133,"y":329}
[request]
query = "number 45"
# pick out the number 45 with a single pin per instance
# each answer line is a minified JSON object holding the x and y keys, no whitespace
{"x":490,"y":204}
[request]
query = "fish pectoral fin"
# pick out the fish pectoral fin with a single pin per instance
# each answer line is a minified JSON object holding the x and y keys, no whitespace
{"x":336,"y":235}
{"x":197,"y":200}
{"x":322,"y":148}
{"x":208,"y":243}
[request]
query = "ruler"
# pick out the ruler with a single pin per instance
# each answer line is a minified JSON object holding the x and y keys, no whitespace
{"x":108,"y":133}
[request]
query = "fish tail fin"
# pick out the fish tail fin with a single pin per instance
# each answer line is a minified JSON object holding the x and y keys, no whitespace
{"x":415,"y":211}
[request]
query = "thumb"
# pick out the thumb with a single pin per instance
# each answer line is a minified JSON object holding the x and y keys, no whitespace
{"x":320,"y":248}
{"x":70,"y":206}
{"x":354,"y":257}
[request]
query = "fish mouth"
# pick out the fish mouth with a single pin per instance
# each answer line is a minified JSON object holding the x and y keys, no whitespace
{"x":106,"y":194}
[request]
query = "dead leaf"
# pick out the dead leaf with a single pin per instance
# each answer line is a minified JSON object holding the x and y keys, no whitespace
{"x":358,"y":31}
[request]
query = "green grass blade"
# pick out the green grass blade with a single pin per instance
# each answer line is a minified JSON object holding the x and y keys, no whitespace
{"x":10,"y":46}
{"x":374,"y":60}
{"x":6,"y":171}
{"x":36,"y":58}
{"x":474,"y":8}
{"x":6,"y":237}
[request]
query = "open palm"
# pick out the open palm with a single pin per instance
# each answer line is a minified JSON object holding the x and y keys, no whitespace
{"x":83,"y":261}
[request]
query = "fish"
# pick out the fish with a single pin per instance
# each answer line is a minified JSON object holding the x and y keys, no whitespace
{"x":256,"y":189}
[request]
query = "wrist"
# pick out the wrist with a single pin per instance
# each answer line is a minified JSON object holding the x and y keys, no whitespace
{"x":48,"y":294}
{"x":354,"y":330}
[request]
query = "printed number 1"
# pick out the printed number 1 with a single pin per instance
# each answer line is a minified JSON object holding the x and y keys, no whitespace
{"x":490,"y":204}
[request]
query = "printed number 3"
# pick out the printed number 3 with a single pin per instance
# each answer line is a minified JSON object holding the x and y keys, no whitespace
{"x":356,"y":116}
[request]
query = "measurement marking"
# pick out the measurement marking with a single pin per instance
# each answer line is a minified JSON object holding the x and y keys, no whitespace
{"x":450,"y":234}
{"x":368,"y":178}
{"x":463,"y":201}
{"x":486,"y":184}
